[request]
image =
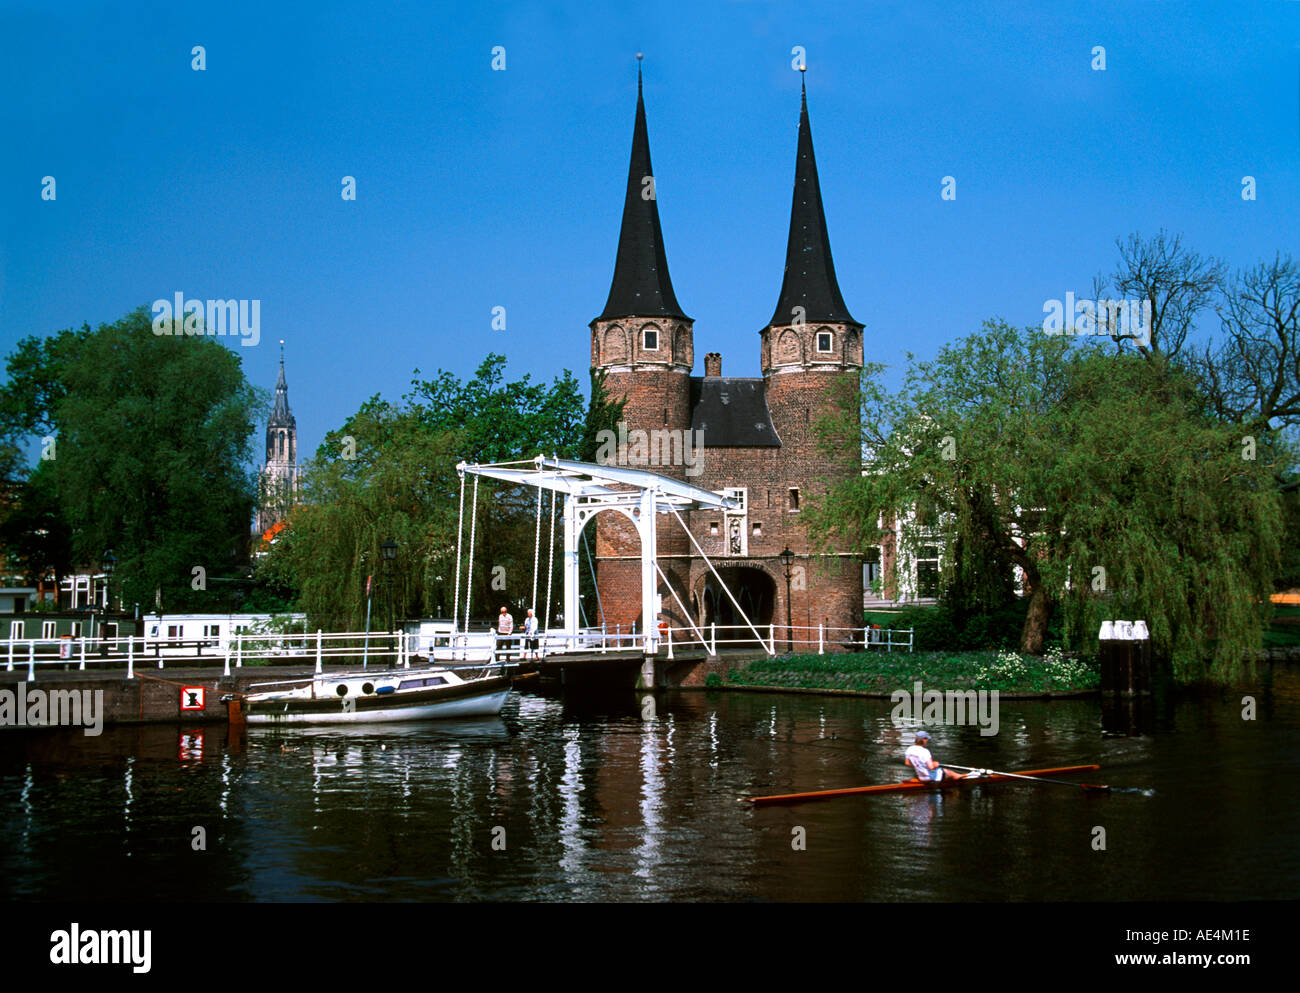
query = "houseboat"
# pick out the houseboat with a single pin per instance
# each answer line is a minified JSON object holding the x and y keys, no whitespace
{"x":204,"y":634}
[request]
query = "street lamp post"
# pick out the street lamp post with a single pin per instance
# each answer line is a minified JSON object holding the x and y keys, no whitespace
{"x":389,"y":549}
{"x":110,"y":563}
{"x":787,"y":558}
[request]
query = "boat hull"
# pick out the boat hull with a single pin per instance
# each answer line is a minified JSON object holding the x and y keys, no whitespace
{"x":916,"y":784}
{"x":477,"y":698}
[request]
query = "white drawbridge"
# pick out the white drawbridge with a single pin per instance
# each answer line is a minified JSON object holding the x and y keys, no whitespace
{"x":588,"y":489}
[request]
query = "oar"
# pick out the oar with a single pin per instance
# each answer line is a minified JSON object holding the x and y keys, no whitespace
{"x":1032,"y":779}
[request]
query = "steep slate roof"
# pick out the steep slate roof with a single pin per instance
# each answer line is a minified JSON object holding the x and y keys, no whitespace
{"x":732,"y":413}
{"x":280,"y":414}
{"x":809,"y":270}
{"x":641,"y":286}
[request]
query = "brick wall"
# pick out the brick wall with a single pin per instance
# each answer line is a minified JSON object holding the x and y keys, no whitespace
{"x":799,"y":381}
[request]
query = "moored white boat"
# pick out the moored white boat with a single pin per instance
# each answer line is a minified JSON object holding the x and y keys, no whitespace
{"x":377,"y":695}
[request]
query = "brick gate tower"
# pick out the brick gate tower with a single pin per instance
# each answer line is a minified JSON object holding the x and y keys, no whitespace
{"x":811,"y":341}
{"x":758,"y":434}
{"x":643,"y":342}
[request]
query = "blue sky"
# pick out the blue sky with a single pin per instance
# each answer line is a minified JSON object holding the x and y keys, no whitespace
{"x":479,"y":188}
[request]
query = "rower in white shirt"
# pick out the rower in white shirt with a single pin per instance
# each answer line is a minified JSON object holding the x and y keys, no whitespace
{"x":920,"y":761}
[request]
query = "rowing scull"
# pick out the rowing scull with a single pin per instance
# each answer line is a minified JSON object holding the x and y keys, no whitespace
{"x":915,"y":784}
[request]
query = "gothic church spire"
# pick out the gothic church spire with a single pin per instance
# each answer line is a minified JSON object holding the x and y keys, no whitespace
{"x":281,"y":416}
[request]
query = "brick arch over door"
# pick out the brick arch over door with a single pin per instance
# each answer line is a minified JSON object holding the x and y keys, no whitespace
{"x":752,"y":585}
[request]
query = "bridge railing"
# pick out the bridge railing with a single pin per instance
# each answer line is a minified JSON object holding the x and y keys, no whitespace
{"x":778,"y":639}
{"x":244,"y":648}
{"x":351,"y":648}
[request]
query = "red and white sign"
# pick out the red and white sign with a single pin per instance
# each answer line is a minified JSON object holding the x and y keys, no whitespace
{"x":192,"y":697}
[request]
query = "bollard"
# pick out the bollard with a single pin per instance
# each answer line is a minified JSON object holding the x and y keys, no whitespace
{"x":318,"y":649}
{"x":1124,"y":656}
{"x":821,"y":639}
{"x":669,"y":634}
{"x":82,"y":667}
{"x":1141,"y":657}
{"x":130,"y":658}
{"x":1124,"y":650}
{"x":31,"y":661}
{"x":239,"y":649}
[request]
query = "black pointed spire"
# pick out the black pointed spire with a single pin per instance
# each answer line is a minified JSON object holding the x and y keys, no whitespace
{"x":809,"y":270}
{"x":641,"y":286}
{"x":280,"y":414}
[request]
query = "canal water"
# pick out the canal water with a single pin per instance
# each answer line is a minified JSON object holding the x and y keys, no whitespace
{"x":628,"y":797}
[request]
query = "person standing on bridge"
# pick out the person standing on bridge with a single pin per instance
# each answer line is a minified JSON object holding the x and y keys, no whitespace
{"x":505,"y":627}
{"x":919,"y":760}
{"x":530,"y":634}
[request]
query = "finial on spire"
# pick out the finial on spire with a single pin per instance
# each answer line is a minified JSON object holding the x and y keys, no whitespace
{"x":639,"y":57}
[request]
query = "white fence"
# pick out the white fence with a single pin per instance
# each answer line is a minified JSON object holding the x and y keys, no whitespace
{"x":380,"y":649}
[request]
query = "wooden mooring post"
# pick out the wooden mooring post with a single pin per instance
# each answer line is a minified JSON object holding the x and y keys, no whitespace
{"x":1124,"y":650}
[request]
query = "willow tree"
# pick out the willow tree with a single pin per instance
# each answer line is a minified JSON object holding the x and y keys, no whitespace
{"x":1098,"y":475}
{"x":390,"y":473}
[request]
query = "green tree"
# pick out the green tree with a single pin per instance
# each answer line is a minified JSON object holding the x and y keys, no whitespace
{"x":33,"y":531}
{"x":390,"y":472}
{"x":152,"y":439}
{"x":1098,"y":475}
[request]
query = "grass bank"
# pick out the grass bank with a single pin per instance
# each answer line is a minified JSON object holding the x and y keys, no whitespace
{"x":1284,"y":631}
{"x":884,"y":672}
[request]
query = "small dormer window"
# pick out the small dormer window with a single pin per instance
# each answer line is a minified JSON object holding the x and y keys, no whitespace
{"x":825,"y":341}
{"x":650,"y":340}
